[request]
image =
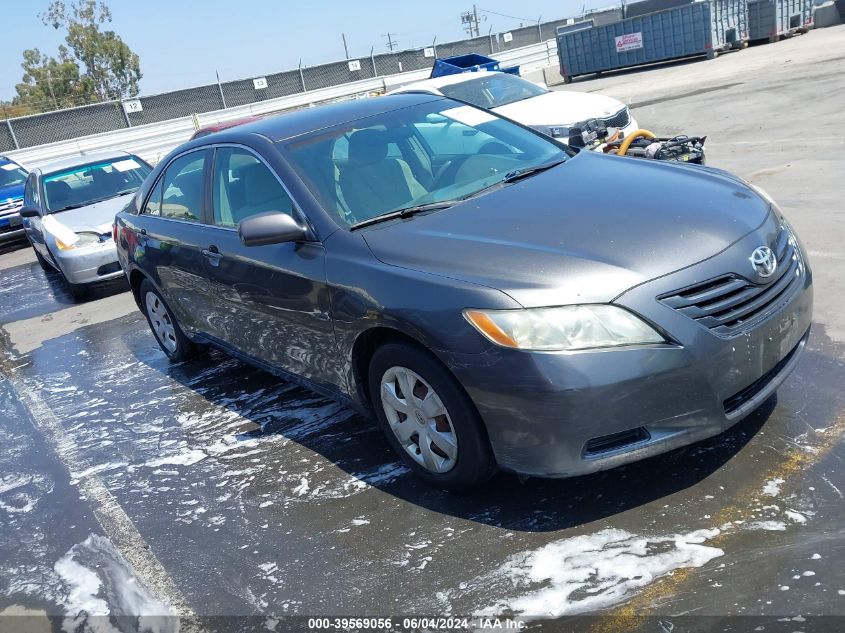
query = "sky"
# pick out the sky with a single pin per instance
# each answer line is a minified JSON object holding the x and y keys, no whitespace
{"x":181,"y":43}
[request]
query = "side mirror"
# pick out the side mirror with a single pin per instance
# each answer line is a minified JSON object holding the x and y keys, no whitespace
{"x":28,"y":212}
{"x":270,"y":228}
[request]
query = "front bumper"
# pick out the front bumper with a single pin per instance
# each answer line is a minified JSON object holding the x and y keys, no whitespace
{"x":89,"y":264}
{"x":562,"y":414}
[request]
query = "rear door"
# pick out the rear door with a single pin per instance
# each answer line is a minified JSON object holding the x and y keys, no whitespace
{"x":170,"y":235}
{"x":271,"y":301}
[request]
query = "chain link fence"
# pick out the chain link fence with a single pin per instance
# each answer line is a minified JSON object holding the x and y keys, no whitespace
{"x":61,"y":125}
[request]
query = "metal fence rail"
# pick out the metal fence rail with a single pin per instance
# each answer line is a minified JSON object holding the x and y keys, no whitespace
{"x":152,"y":141}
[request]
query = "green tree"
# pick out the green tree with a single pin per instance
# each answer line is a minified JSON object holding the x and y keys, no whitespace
{"x":108,"y":63}
{"x":49,"y":83}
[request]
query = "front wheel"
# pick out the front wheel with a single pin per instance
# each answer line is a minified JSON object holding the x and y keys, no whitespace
{"x":428,"y":418}
{"x":45,"y":265}
{"x":169,"y":335}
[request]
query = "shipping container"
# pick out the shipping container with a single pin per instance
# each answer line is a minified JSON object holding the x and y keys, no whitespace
{"x":699,"y":28}
{"x":771,"y":19}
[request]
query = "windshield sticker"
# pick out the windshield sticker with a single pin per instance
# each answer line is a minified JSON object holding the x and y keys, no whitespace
{"x":469,"y":115}
{"x":59,"y":230}
{"x":9,"y":167}
{"x":126,"y":165}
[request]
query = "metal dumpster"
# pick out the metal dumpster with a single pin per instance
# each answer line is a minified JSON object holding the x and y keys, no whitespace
{"x":473,"y":62}
{"x":770,"y":19}
{"x":700,"y":28}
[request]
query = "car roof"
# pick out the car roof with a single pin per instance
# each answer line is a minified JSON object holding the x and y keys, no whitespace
{"x":445,"y":80}
{"x":84,"y":159}
{"x":291,"y":124}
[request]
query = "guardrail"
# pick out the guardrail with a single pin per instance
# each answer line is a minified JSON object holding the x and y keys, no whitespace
{"x":152,"y":141}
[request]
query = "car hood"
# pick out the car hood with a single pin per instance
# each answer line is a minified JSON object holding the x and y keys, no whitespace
{"x":97,"y":217}
{"x":10,"y":192}
{"x":560,"y":108}
{"x":582,"y":232}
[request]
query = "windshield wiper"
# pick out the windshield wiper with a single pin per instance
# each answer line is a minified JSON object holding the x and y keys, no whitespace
{"x":405,"y":213}
{"x":524,"y":172}
{"x":71,"y":206}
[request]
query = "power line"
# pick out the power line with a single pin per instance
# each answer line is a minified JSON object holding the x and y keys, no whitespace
{"x":505,"y":15}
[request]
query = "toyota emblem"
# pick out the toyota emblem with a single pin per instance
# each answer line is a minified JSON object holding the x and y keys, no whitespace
{"x":764,"y":261}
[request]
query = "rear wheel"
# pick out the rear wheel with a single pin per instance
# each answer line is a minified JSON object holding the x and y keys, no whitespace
{"x":428,"y":418}
{"x":169,"y":335}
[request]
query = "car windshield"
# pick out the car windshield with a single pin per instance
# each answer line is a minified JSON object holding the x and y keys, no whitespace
{"x":492,"y":90}
{"x":435,"y":152}
{"x":11,"y":174}
{"x":86,"y":184}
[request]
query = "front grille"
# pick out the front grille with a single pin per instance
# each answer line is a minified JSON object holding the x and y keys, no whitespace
{"x":730,"y":304}
{"x":738,"y":399}
{"x":8,"y":207}
{"x":619,"y":120}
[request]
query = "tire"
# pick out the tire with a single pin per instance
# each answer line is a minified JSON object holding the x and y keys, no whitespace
{"x":712,"y":54}
{"x":457,"y":430}
{"x":164,"y":326}
{"x":77,"y":291}
{"x":45,"y":265}
{"x":567,"y":79}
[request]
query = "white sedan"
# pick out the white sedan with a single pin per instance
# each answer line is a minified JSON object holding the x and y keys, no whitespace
{"x":550,"y":112}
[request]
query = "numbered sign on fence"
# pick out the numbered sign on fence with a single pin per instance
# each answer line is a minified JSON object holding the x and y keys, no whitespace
{"x":428,"y":52}
{"x":354,"y":65}
{"x":260,"y":83}
{"x":508,"y":37}
{"x":132,"y":105}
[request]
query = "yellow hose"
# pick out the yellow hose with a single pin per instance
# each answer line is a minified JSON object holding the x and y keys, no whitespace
{"x":631,"y":138}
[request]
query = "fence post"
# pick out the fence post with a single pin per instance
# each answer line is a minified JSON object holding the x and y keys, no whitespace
{"x":9,"y":125}
{"x":434,"y":46}
{"x":490,"y":35}
{"x":125,"y":114}
{"x":373,"y":60}
{"x":12,"y":133}
{"x":539,"y":30}
{"x":302,"y":76}
{"x":220,"y":89}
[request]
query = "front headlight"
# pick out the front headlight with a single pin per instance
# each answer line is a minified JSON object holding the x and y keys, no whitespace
{"x":82,"y":240}
{"x":563,"y":328}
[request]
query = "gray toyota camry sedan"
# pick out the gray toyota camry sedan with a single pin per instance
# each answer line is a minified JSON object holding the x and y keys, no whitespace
{"x":494,"y":299}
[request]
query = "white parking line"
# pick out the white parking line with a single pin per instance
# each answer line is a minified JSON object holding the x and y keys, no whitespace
{"x":116,"y":524}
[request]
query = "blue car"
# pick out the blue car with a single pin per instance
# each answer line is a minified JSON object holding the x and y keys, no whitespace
{"x":12,"y":179}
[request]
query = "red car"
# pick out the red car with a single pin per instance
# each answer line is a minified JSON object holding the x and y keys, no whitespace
{"x":225,"y":125}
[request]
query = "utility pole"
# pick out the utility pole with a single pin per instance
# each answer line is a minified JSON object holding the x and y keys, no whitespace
{"x":470,"y":20}
{"x":391,"y":43}
{"x":345,"y":49}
